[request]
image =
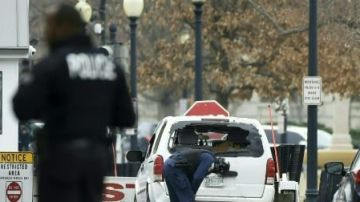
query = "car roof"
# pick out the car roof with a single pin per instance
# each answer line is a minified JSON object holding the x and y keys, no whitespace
{"x":213,"y":118}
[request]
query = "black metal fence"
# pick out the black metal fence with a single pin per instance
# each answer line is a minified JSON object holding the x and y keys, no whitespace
{"x":290,"y":160}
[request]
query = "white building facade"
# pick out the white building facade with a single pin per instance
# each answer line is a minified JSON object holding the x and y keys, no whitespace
{"x":14,"y":46}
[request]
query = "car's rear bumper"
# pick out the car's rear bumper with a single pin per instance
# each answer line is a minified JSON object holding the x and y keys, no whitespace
{"x":157,"y":193}
{"x":268,"y":196}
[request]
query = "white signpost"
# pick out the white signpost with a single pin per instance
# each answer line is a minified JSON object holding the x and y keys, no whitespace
{"x":16,"y":176}
{"x":312,"y":87}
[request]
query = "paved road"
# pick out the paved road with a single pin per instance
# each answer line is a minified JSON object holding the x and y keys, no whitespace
{"x":302,"y":186}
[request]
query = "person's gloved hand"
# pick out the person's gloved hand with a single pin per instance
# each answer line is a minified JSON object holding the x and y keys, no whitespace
{"x":220,"y":166}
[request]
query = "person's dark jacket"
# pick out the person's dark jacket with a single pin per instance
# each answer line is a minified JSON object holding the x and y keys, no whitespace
{"x":190,"y":160}
{"x":74,"y":103}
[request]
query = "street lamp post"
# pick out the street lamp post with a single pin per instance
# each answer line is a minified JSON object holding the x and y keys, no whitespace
{"x":133,"y":65}
{"x":198,"y":51}
{"x":102,"y":11}
{"x":282,"y":107}
{"x":113,"y":30}
{"x":311,"y":191}
{"x":133,"y":9}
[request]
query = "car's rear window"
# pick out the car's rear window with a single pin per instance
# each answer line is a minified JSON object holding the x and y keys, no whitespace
{"x":224,"y":139}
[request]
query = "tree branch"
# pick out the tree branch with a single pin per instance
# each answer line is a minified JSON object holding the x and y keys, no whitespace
{"x":351,"y":24}
{"x":273,"y":21}
{"x":263,"y":12}
{"x":280,"y":29}
{"x":258,"y":63}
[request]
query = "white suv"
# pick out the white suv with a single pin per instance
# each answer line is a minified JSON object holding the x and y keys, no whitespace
{"x":242,"y":142}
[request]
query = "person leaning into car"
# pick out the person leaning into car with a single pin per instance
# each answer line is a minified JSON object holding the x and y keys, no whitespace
{"x":184,"y":171}
{"x":77,"y":92}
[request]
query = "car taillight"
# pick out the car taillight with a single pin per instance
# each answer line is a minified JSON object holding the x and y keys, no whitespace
{"x":356,"y":176}
{"x":158,"y":168}
{"x":270,"y":172}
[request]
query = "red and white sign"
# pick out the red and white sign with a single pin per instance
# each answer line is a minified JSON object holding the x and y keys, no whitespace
{"x":16,"y":176}
{"x":118,"y":189}
{"x":205,"y":108}
{"x":13,"y":191}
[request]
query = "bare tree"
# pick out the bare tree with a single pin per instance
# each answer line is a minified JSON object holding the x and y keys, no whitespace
{"x":249,"y":45}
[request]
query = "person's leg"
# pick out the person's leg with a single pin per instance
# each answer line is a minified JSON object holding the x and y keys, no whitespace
{"x":94,"y":170}
{"x":91,"y":188}
{"x":178,"y":184}
{"x":184,"y":190}
{"x":205,"y":162}
{"x":51,"y":189}
{"x":60,"y":173}
{"x":171,"y":189}
{"x":169,"y":179}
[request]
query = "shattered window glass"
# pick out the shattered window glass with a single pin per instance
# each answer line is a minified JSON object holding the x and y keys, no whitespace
{"x":224,"y":139}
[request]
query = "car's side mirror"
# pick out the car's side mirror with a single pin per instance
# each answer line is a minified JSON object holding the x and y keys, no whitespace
{"x":134,"y":156}
{"x":335,"y":168}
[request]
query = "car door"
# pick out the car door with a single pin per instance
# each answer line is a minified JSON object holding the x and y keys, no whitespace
{"x":346,"y":190}
{"x":145,"y":168}
{"x":353,"y":175}
{"x":141,"y":181}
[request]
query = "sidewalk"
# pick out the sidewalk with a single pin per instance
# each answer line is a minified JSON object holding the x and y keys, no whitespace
{"x":302,"y":185}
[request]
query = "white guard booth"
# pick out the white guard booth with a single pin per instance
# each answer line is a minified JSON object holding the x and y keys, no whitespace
{"x":14,"y":46}
{"x":16,"y":171}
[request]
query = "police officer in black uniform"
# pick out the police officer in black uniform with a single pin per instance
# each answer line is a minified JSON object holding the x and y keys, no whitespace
{"x":77,"y":92}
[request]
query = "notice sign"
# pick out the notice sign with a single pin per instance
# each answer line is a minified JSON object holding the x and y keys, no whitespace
{"x":16,"y":176}
{"x":312,"y":87}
